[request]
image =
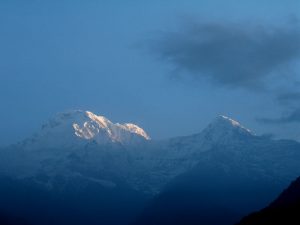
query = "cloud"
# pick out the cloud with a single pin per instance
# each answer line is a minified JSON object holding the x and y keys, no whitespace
{"x":230,"y":55}
{"x":292,"y":117}
{"x":289,"y":98}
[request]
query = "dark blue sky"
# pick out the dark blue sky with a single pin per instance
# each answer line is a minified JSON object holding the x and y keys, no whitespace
{"x":169,"y":66}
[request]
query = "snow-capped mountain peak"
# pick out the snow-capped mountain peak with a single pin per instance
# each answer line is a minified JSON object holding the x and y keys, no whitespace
{"x":76,"y":127}
{"x":226,"y":120}
{"x":224,"y":128}
{"x":223,"y":122}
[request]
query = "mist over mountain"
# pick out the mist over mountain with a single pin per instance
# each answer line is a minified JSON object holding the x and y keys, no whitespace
{"x":81,"y":168}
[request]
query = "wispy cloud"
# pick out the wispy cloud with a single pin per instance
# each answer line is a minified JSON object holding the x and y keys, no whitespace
{"x":292,"y":117}
{"x":290,"y":102}
{"x":230,"y":55}
{"x":289,"y":98}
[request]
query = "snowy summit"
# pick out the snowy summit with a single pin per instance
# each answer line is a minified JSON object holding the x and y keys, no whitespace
{"x":73,"y":128}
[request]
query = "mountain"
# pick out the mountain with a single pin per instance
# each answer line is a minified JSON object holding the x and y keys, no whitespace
{"x":77,"y":127}
{"x":73,"y":171}
{"x":284,"y":210}
{"x":111,"y":173}
{"x":76,"y":144}
{"x":235,"y":172}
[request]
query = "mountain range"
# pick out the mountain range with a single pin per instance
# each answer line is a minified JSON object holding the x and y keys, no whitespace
{"x":81,"y":168}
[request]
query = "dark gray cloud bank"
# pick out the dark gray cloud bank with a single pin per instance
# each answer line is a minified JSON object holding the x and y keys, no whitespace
{"x":238,"y":56}
{"x":230,"y":55}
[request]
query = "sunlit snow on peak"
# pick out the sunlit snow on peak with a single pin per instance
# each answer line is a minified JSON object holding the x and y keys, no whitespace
{"x":224,"y":123}
{"x":234,"y":123}
{"x":101,"y":120}
{"x":102,"y":130}
{"x":136,"y":129}
{"x":77,"y":127}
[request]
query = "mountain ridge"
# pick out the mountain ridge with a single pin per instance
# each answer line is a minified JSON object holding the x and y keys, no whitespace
{"x":224,"y":156}
{"x":122,"y":158}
